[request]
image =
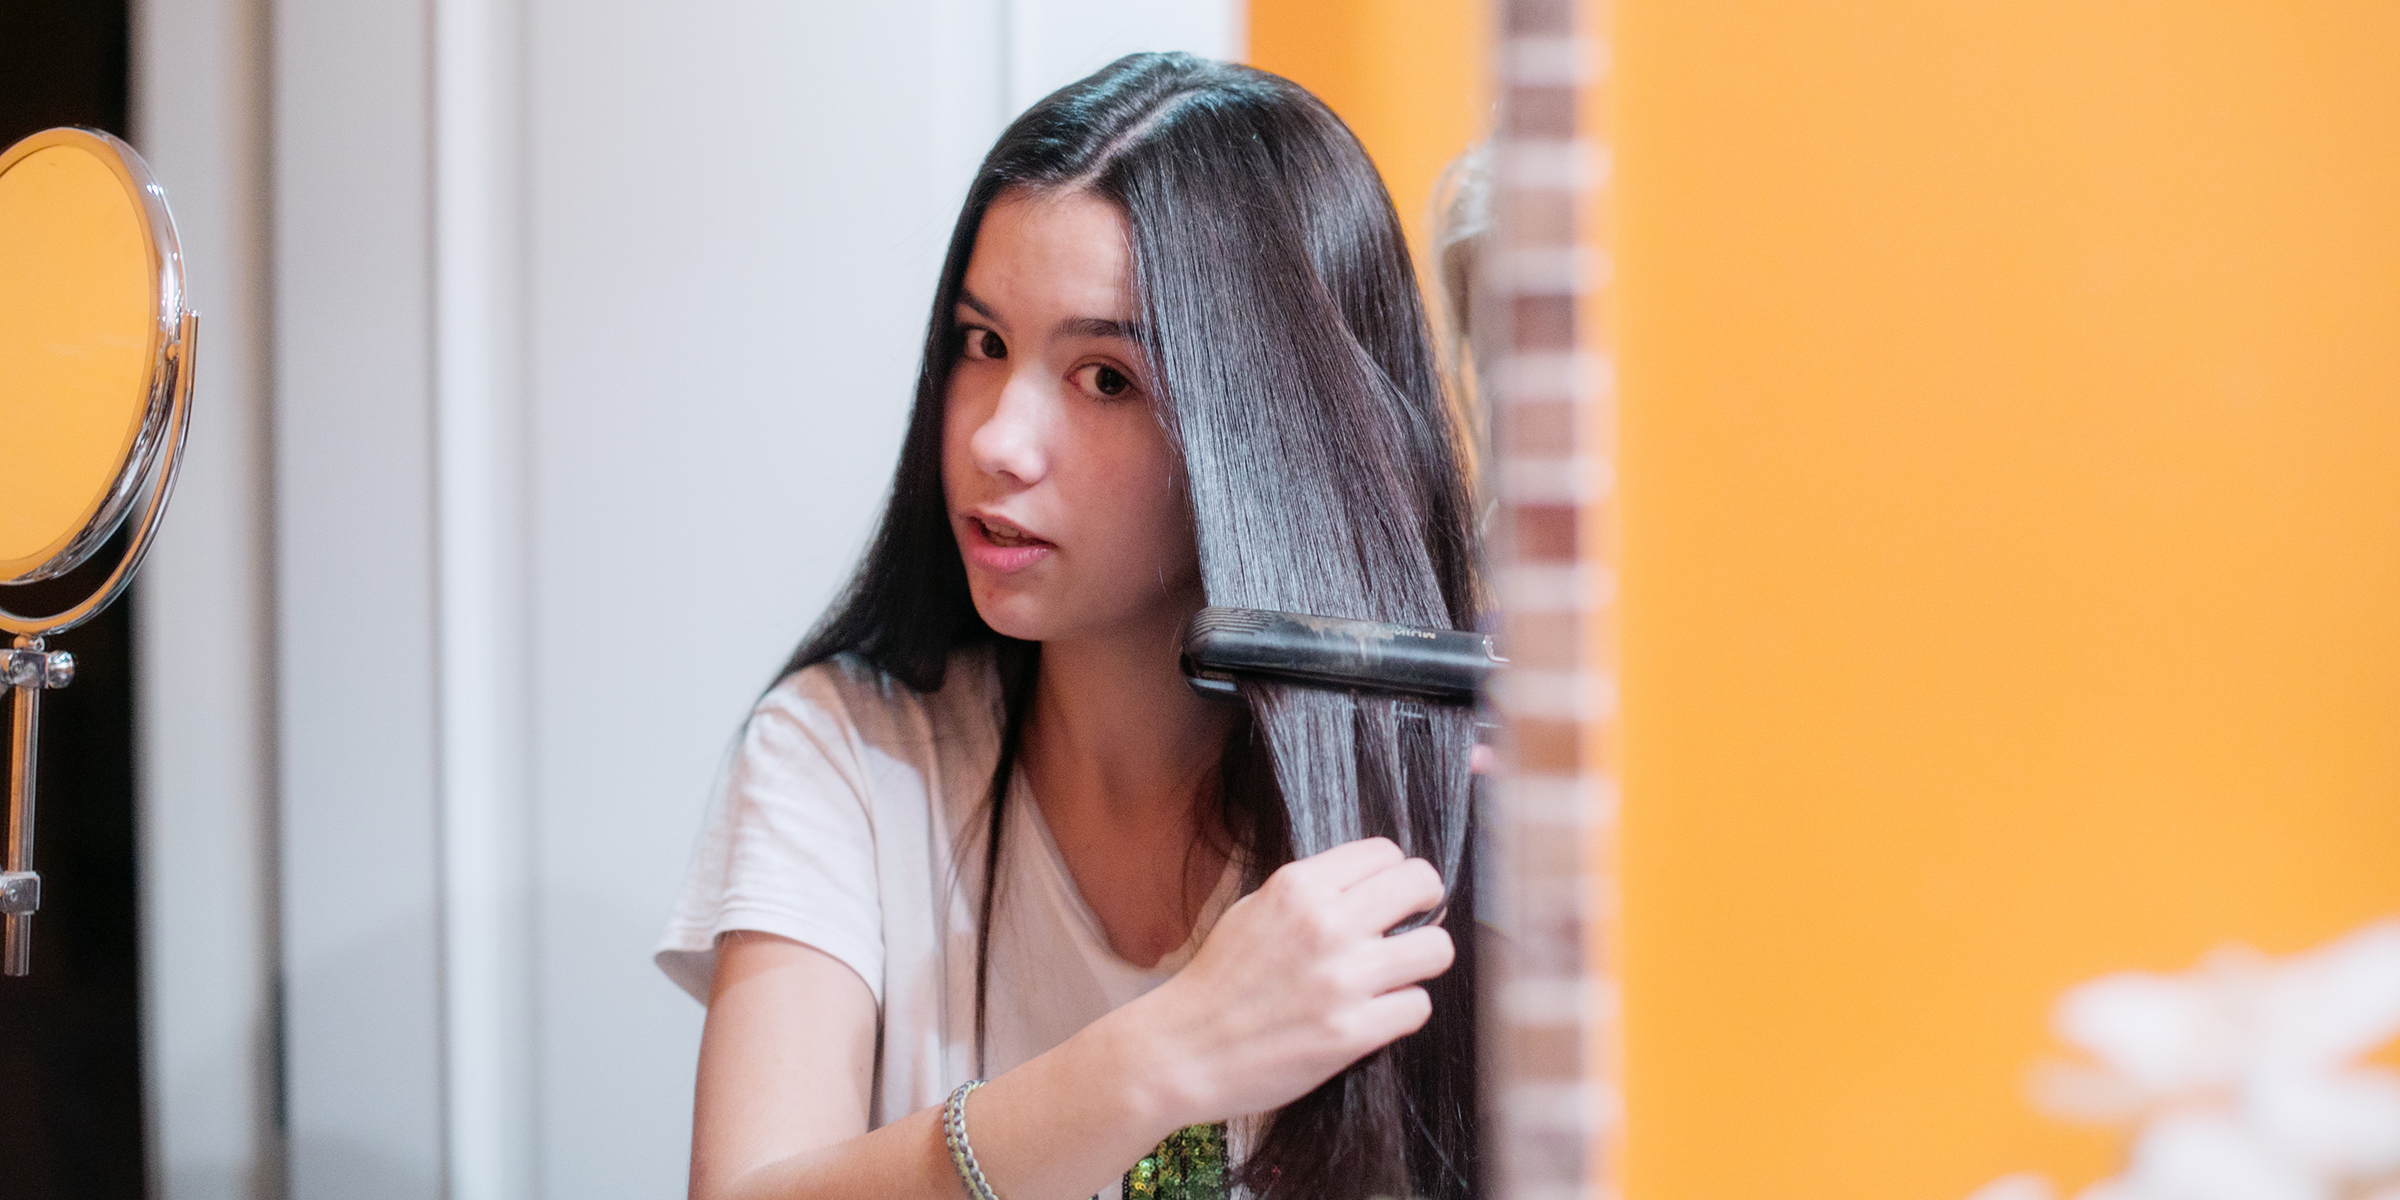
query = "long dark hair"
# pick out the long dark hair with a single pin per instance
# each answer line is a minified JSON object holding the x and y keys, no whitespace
{"x":1296,"y":377}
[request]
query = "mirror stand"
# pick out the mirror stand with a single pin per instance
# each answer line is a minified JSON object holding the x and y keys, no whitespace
{"x":27,"y":670}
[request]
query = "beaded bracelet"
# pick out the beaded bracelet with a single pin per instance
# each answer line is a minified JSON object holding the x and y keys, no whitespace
{"x":962,"y":1156}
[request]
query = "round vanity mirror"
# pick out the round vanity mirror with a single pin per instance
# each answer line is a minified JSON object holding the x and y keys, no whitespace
{"x":95,"y":391}
{"x":91,"y":316}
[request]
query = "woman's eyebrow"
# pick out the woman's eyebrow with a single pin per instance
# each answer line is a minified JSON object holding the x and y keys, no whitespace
{"x":1097,"y":327}
{"x":981,"y":309}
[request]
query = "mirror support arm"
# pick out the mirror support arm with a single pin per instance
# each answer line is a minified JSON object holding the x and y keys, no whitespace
{"x":28,"y":671}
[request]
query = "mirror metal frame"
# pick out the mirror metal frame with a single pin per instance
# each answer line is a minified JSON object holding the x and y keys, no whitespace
{"x":173,"y":340}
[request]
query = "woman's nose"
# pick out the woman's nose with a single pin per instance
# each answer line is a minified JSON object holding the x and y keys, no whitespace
{"x":1011,"y":441}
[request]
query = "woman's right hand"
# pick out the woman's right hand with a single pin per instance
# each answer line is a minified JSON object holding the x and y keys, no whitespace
{"x":1296,"y":982}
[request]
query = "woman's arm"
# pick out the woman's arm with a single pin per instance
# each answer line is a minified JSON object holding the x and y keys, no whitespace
{"x":1295,"y":982}
{"x":786,"y":1068}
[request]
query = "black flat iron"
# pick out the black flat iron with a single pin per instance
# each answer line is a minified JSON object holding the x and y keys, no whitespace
{"x":1443,"y":666}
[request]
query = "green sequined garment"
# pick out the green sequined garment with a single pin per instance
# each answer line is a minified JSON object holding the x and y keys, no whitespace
{"x":1189,"y":1165}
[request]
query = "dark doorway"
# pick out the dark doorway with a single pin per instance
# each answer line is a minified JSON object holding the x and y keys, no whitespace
{"x":70,"y":1033}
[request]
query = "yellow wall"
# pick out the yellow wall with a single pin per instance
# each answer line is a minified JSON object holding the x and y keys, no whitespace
{"x":2011,"y":502}
{"x":1411,"y":77}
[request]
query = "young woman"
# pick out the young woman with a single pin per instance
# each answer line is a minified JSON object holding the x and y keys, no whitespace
{"x":982,"y":829}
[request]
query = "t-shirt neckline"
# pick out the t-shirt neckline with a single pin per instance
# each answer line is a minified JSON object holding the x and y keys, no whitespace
{"x":1174,"y":960}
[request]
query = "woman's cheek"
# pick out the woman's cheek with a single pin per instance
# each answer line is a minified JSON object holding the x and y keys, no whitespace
{"x":1168,"y":553}
{"x":967,"y":405}
{"x":954,"y":454}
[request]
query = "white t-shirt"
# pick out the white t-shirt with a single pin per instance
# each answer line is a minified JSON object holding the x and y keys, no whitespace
{"x":841,"y":826}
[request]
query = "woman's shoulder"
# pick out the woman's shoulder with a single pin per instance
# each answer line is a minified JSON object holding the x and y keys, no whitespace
{"x":844,"y":725}
{"x":849,"y":693}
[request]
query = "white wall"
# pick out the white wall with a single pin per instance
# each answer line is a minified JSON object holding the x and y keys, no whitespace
{"x":593,"y":329}
{"x":204,"y":631}
{"x":354,"y":556}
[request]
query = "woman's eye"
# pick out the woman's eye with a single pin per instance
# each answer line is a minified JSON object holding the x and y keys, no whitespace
{"x":983,"y":343}
{"x":1105,"y":380}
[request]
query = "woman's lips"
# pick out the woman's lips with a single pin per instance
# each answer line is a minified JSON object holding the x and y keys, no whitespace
{"x":996,"y":545}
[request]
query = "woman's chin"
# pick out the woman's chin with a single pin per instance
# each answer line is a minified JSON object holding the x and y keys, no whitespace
{"x":1016,"y":616}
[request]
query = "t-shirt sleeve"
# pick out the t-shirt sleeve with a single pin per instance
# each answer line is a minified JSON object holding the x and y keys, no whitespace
{"x":789,"y":847}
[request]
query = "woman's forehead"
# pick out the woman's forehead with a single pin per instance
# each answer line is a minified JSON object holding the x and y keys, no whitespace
{"x":1052,"y":257}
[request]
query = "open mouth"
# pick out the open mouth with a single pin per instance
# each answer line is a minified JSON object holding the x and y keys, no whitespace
{"x":1005,"y":535}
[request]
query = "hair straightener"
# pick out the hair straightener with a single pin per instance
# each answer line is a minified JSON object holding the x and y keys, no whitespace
{"x":1444,"y":666}
{"x":1440,"y":666}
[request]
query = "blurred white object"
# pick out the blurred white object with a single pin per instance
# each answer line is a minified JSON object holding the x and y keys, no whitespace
{"x":2016,"y":1187}
{"x":2238,"y":1077}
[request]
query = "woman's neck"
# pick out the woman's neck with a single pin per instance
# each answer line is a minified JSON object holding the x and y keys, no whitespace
{"x":1115,"y":725}
{"x":1117,"y":752}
